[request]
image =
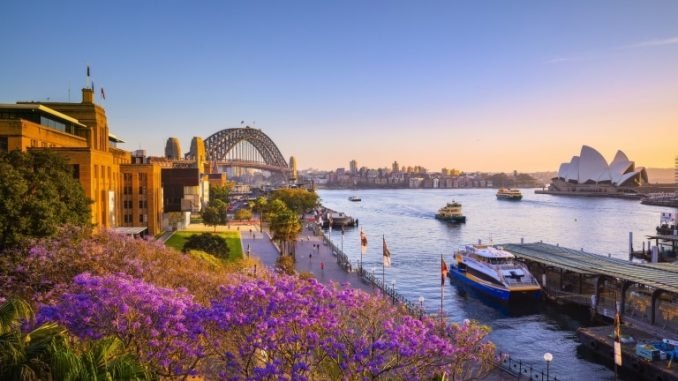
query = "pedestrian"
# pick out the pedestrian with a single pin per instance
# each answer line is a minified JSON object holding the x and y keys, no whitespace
{"x":322,"y":266}
{"x":310,"y":255}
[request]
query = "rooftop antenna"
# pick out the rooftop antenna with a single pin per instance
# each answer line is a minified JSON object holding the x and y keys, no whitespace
{"x":89,"y":80}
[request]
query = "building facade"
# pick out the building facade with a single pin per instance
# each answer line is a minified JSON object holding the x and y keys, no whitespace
{"x":79,"y":132}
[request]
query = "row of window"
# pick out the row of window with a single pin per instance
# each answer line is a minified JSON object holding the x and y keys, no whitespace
{"x":128,"y":190}
{"x":127,"y":204}
{"x":127,"y":218}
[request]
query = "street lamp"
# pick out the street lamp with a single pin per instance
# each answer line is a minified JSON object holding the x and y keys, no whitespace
{"x":393,"y":289}
{"x":548,"y":357}
{"x":421,"y":307}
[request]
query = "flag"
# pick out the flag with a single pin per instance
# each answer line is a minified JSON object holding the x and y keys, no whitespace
{"x":103,"y":94}
{"x":88,"y":70}
{"x":443,"y":271}
{"x":363,"y":243}
{"x":387,"y":254}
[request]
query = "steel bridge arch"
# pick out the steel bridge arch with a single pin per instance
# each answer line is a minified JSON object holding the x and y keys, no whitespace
{"x":220,"y":143}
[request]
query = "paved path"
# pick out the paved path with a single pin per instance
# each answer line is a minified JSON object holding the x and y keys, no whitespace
{"x":316,"y":258}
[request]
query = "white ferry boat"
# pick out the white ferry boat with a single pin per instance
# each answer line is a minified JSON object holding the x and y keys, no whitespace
{"x":451,"y":213}
{"x":494,"y":271}
{"x":354,"y":198}
{"x":509,"y":194}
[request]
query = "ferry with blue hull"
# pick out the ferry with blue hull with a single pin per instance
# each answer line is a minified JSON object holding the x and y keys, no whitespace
{"x":494,"y":272}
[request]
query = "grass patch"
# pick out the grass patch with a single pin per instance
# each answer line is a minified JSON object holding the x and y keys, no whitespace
{"x":178,"y":239}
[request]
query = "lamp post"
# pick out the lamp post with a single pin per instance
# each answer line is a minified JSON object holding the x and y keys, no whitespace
{"x":421,"y":307}
{"x":548,"y":357}
{"x":393,"y":290}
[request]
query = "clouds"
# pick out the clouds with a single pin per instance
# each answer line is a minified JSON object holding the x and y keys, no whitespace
{"x":659,"y":42}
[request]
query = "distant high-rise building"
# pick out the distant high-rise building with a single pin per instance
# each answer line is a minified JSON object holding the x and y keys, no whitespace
{"x":676,"y":170}
{"x":445,"y":172}
{"x":173,"y":149}
{"x":395,"y":167}
{"x":353,"y":165}
{"x":293,"y":167}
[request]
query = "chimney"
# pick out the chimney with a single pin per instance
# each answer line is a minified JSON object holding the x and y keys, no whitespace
{"x":87,"y":96}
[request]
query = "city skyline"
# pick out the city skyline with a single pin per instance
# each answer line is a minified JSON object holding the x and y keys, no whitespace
{"x":494,"y":88}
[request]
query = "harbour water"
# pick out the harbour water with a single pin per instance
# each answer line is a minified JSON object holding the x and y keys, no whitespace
{"x":416,"y":241}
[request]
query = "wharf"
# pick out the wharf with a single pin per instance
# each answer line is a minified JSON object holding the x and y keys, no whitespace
{"x":600,"y":341}
{"x":646,"y":293}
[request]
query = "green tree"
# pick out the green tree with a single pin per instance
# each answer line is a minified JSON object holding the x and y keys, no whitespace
{"x":243,"y":214}
{"x":258,"y":206}
{"x":285,"y":227}
{"x":216,"y":213}
{"x":37,"y":195}
{"x":298,"y":199}
{"x":220,"y":193}
{"x":209,"y":243}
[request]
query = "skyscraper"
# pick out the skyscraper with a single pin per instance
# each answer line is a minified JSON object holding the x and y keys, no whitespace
{"x":353,"y":165}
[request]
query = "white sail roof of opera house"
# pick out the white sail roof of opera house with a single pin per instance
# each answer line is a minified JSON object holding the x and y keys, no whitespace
{"x":590,"y":167}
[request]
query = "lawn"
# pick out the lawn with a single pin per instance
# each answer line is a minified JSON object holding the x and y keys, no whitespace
{"x":178,"y":239}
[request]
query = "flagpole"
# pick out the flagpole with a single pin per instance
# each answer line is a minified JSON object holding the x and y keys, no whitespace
{"x":361,"y":251}
{"x":442,"y":288}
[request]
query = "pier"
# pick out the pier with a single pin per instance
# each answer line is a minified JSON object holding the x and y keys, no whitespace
{"x":646,"y":296}
{"x":508,"y":367}
{"x":646,"y":293}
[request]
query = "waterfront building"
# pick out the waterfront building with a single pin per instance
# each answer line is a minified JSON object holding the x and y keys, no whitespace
{"x":590,"y":173}
{"x":395,"y":167}
{"x":142,"y":194}
{"x":79,"y":132}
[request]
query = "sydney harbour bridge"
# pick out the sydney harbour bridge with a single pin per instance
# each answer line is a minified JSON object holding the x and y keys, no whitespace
{"x":243,"y":148}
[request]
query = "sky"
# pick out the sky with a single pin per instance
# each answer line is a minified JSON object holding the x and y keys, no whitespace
{"x":472,"y":85}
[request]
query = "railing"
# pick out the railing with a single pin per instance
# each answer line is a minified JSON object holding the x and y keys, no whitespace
{"x":512,"y":366}
{"x":345,"y":263}
{"x":520,"y":370}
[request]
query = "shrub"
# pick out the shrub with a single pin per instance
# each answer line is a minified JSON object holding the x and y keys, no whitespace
{"x":209,"y":243}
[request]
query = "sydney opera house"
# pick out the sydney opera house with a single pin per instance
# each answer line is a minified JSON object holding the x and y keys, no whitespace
{"x":589,"y":173}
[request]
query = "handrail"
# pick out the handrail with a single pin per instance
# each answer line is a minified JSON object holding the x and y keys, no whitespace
{"x":506,"y":362}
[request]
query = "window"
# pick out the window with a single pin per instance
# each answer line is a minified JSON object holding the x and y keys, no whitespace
{"x":141,"y":204}
{"x":76,"y":169}
{"x":141,"y":218}
{"x":4,"y":144}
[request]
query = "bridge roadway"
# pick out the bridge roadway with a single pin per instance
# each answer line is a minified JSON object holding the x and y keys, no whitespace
{"x":661,"y":276}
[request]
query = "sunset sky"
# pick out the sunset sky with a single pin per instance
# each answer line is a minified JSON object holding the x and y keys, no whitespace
{"x":473,"y":85}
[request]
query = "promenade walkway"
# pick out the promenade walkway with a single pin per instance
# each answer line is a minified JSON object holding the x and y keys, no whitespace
{"x":321,"y":263}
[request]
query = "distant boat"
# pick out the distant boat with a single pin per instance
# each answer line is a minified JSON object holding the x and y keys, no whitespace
{"x":451,"y":213}
{"x":509,"y":194}
{"x":354,"y":198}
{"x":494,"y":272}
